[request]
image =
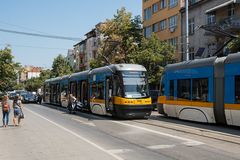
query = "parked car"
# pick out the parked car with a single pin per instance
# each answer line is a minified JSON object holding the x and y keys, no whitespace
{"x":12,"y":95}
{"x":29,"y":98}
{"x":154,"y":96}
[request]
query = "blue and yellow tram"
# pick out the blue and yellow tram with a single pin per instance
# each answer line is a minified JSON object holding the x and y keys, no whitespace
{"x":120,"y":90}
{"x":203,"y":90}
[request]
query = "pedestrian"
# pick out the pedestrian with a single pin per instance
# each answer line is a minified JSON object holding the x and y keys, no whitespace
{"x":17,"y":107}
{"x":5,"y":110}
{"x":71,"y":102}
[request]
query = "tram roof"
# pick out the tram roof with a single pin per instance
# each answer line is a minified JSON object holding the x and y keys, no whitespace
{"x":79,"y":74}
{"x":119,"y":67}
{"x":191,"y":64}
{"x":232,"y":58}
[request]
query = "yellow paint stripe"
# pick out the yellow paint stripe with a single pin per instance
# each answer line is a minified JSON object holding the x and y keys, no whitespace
{"x":163,"y":100}
{"x":232,"y":106}
{"x":97,"y":100}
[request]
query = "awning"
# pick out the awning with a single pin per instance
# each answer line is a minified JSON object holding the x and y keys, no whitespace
{"x":221,"y":5}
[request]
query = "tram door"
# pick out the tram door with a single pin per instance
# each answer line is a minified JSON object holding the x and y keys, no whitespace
{"x":57,"y":93}
{"x":73,"y":89}
{"x":51,"y":93}
{"x":108,"y":93}
{"x":84,"y":93}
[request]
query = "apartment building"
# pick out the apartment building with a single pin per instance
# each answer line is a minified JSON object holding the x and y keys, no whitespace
{"x":29,"y":72}
{"x":213,"y":14}
{"x":80,"y":51}
{"x":163,"y":18}
{"x":86,"y":50}
{"x":71,"y":58}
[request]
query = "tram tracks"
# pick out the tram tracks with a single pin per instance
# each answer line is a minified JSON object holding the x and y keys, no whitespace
{"x":217,"y":135}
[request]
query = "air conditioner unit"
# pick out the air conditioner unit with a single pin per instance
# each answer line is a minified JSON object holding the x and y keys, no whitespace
{"x":172,"y":29}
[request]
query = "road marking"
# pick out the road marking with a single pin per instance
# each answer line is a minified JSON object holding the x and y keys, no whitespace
{"x":161,"y":146}
{"x":192,"y":143}
{"x":83,"y":122}
{"x":77,"y":135}
{"x":118,"y":151}
{"x":188,"y":141}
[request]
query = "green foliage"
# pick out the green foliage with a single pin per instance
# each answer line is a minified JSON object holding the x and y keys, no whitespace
{"x":45,"y":74}
{"x":19,"y":86}
{"x":234,"y":46}
{"x":60,"y":67}
{"x":154,"y":54}
{"x":122,"y":34}
{"x":8,"y":68}
{"x":33,"y":84}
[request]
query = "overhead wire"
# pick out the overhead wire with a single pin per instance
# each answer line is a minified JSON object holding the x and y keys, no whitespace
{"x":40,"y":35}
{"x":28,"y":46}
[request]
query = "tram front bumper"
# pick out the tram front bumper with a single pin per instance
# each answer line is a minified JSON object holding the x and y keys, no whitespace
{"x":135,"y":111}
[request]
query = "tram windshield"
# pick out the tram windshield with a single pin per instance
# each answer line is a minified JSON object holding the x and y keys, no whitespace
{"x":135,"y":84}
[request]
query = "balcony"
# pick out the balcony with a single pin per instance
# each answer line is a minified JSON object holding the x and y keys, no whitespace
{"x":231,"y":24}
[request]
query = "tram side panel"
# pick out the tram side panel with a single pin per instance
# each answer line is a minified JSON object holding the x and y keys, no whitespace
{"x":232,"y":93}
{"x":188,"y":94}
{"x":97,"y":86}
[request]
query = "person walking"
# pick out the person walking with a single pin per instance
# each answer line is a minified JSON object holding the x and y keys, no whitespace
{"x":5,"y":110}
{"x":17,"y":108}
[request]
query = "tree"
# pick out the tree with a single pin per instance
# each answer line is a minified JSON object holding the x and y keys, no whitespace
{"x":8,"y":70}
{"x":122,"y":34}
{"x":234,"y":46}
{"x":33,"y":84}
{"x":154,"y":55}
{"x":45,"y":74}
{"x":60,"y":67}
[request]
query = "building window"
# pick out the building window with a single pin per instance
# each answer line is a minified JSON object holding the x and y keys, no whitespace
{"x":171,"y":91}
{"x":163,"y":25}
{"x":147,"y":32}
{"x":173,"y":22}
{"x":173,"y":3}
{"x":231,"y":10}
{"x":191,"y":53}
{"x":211,"y":18}
{"x":237,"y":89}
{"x":155,"y":27}
{"x":173,"y":41}
{"x":147,"y":13}
{"x":163,"y":4}
{"x":184,"y":89}
{"x":145,"y":0}
{"x":154,"y":7}
{"x":191,"y":23}
{"x":200,"y":89}
{"x":192,"y":2}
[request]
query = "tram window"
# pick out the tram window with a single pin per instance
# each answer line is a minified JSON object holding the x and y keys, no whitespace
{"x":117,"y":90}
{"x":183,"y":89}
{"x":100,"y":91}
{"x":200,"y":89}
{"x":74,"y":89}
{"x":237,"y":89}
{"x":84,"y":90}
{"x":94,"y":90}
{"x":171,"y":93}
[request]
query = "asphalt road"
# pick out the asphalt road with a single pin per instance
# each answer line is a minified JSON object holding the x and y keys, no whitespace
{"x":53,"y":134}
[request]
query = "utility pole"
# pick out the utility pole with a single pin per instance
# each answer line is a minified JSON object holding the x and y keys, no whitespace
{"x":187,"y":32}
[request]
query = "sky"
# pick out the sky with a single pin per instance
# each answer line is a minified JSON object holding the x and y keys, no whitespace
{"x":69,"y":18}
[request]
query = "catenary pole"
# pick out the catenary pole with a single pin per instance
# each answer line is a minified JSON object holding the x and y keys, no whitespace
{"x":187,"y":32}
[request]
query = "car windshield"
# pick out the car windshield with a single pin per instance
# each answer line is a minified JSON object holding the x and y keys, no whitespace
{"x":135,"y":84}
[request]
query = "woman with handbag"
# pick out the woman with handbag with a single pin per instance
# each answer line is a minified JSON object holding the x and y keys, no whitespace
{"x":17,"y":108}
{"x":5,"y":110}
